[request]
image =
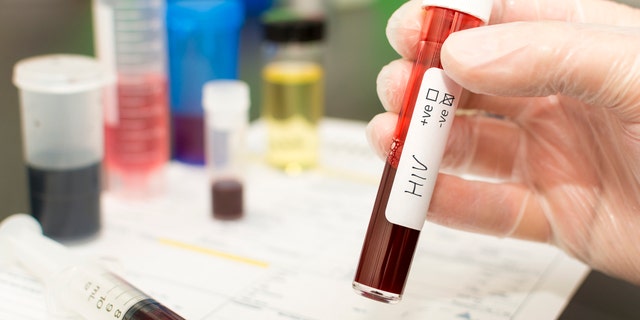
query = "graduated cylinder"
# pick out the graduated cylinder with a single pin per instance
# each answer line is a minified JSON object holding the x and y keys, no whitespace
{"x":130,"y":40}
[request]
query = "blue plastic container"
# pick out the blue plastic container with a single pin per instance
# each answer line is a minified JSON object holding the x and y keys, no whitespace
{"x":203,"y":39}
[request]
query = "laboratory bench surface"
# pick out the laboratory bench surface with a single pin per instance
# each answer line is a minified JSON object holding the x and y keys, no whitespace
{"x":599,"y":297}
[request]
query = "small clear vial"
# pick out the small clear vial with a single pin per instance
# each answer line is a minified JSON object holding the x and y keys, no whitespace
{"x":226,"y":105}
{"x":292,"y":90}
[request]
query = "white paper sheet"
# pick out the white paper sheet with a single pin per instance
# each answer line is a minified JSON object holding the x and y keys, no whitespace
{"x":293,"y":255}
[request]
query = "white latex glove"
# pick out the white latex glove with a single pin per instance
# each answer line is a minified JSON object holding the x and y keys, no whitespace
{"x":564,"y":82}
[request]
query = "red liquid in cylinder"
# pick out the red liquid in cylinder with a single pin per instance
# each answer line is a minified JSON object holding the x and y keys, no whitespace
{"x":137,"y":142}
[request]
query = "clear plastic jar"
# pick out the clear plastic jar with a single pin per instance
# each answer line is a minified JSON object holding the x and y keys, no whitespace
{"x":293,"y":91}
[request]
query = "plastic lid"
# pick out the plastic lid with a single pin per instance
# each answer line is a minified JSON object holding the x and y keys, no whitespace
{"x":60,"y":73}
{"x":226,"y":100}
{"x":294,"y":30}
{"x":480,"y":9}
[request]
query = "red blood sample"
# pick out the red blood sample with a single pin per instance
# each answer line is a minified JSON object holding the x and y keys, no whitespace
{"x":388,"y":248}
{"x":227,"y":197}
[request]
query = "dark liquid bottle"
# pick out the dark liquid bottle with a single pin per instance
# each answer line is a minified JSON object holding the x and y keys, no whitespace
{"x":62,"y":103}
{"x":66,"y":202}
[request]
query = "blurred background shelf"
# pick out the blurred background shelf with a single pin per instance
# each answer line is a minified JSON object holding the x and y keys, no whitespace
{"x":356,"y":50}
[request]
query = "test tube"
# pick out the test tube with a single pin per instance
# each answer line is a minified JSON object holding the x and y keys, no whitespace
{"x":130,"y":40}
{"x":226,"y":104}
{"x":75,"y":286}
{"x":293,"y":90}
{"x":61,"y":100}
{"x":203,"y":38}
{"x":412,"y":164}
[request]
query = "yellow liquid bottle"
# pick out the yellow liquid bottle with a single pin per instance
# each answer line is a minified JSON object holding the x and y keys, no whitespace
{"x":292,"y":108}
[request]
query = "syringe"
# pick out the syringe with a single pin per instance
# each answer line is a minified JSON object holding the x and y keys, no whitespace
{"x":75,"y":285}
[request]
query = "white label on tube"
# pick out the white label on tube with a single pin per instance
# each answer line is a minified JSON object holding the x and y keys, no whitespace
{"x":423,"y":149}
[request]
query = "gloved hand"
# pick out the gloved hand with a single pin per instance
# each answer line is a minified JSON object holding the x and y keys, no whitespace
{"x":552,"y":118}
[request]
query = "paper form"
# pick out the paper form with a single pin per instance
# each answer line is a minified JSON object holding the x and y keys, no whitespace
{"x":294,"y":254}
